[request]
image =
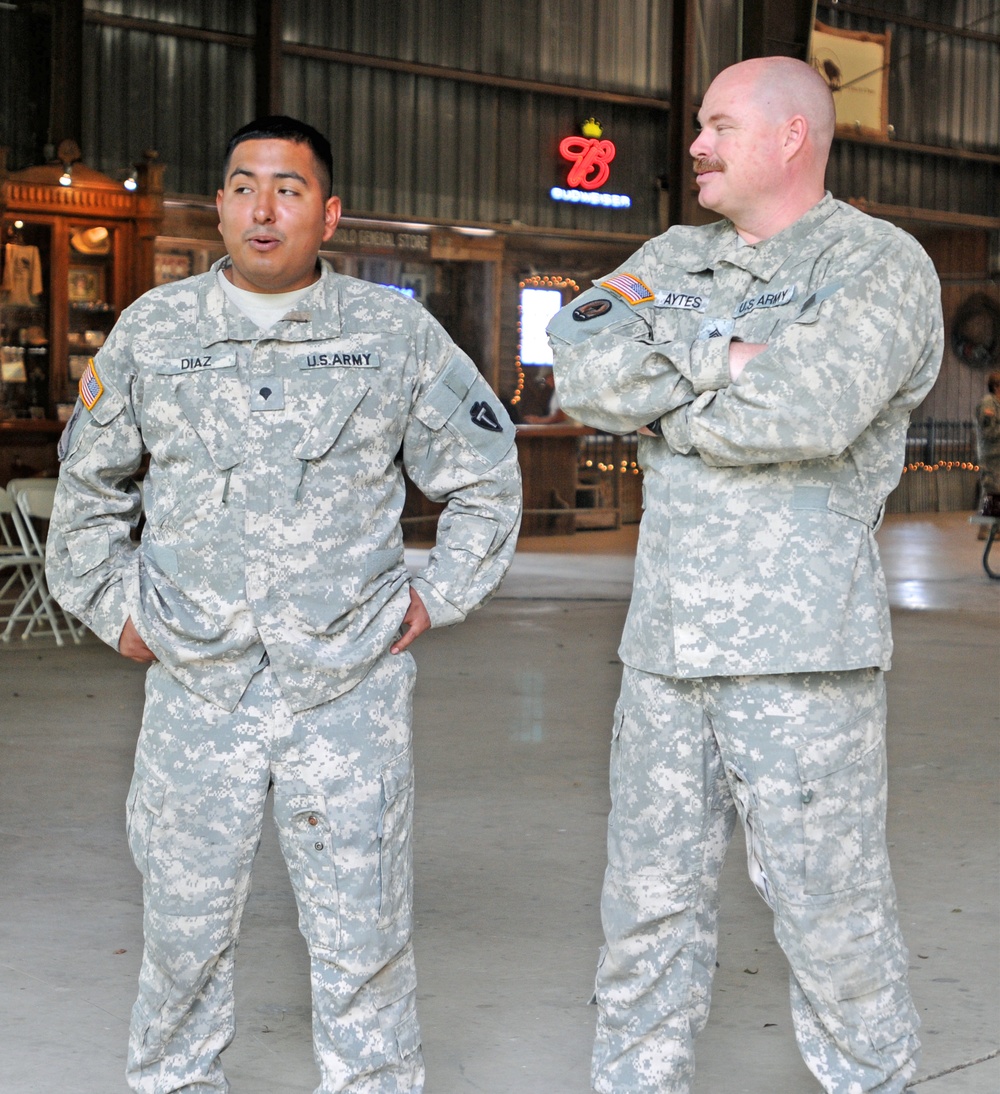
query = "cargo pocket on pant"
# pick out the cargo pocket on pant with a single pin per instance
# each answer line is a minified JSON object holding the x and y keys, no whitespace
{"x":394,"y":993}
{"x":843,"y":796}
{"x":143,"y":806}
{"x":305,"y":836}
{"x":877,"y":1009}
{"x":395,"y":830}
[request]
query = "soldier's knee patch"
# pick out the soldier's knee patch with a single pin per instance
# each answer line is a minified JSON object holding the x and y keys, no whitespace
{"x":395,"y":840}
{"x":307,"y":843}
{"x":843,"y":794}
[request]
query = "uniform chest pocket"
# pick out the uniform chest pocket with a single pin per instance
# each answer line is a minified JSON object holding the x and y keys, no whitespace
{"x":203,"y":392}
{"x":332,"y":415}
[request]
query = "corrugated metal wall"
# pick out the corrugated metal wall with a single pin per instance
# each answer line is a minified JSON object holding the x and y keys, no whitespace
{"x":617,"y":45}
{"x":405,"y":144}
{"x":944,"y":90}
{"x":944,"y":87}
{"x":422,"y":147}
{"x":179,"y":96}
{"x":415,"y":144}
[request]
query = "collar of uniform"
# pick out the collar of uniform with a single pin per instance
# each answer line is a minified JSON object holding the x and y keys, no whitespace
{"x":764,"y":259}
{"x":317,"y":314}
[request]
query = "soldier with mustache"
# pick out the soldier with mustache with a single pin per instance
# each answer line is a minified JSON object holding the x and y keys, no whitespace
{"x":771,"y":361}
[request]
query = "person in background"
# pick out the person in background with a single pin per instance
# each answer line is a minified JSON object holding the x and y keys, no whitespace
{"x":770,"y":362}
{"x":277,"y":403}
{"x":988,"y":449}
{"x":554,"y":413}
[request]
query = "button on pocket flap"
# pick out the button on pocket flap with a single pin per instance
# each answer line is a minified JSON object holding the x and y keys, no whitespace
{"x":88,"y":548}
{"x":203,"y":412}
{"x":397,"y":775}
{"x":332,"y":416}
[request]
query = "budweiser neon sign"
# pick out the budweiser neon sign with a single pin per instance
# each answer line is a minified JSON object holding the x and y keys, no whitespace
{"x":590,"y":156}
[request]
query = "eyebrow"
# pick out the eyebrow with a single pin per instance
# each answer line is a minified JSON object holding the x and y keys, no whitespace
{"x":719,"y":114}
{"x":279,"y":175}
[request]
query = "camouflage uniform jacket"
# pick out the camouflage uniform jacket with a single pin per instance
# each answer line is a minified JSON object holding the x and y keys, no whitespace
{"x":757,"y":551}
{"x":274,"y":489}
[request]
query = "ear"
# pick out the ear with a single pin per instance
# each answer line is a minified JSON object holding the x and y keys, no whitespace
{"x":331,"y":217}
{"x":218,"y":208}
{"x":796,"y":131}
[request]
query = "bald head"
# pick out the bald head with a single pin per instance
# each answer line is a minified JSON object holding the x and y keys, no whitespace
{"x":766,"y":129}
{"x":782,"y":87}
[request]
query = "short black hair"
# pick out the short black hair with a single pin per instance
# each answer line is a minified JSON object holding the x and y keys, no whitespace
{"x":279,"y":127}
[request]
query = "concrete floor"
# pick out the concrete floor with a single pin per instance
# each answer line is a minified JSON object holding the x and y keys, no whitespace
{"x":512,"y":730}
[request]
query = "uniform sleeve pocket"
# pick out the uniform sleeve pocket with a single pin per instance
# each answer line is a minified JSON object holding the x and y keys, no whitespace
{"x":462,"y":407}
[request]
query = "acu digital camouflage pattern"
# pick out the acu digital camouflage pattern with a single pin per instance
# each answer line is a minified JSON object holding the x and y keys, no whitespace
{"x":270,"y":582}
{"x":272,"y":499}
{"x":758,"y":627}
{"x":343,"y":807}
{"x":757,"y":551}
{"x":800,"y":760}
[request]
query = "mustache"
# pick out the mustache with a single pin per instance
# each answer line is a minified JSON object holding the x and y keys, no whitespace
{"x":706,"y":163}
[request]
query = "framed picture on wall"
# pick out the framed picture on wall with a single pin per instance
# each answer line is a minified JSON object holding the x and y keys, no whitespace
{"x":856,"y":66}
{"x":86,"y":284}
{"x":172,"y":266}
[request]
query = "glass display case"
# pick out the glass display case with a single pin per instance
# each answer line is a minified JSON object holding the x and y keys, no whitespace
{"x":78,"y":247}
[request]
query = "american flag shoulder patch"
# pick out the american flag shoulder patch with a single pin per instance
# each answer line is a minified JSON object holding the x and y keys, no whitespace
{"x":629,"y":287}
{"x":91,"y":388}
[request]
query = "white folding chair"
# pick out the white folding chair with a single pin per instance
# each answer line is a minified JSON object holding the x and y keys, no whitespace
{"x":17,"y":568}
{"x":33,"y":500}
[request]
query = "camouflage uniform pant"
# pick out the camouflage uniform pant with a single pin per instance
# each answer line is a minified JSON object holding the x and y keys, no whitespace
{"x":343,"y":806}
{"x":801,"y":761}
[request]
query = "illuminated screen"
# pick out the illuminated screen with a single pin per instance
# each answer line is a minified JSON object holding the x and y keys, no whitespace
{"x":406,"y":290}
{"x":537,"y":308}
